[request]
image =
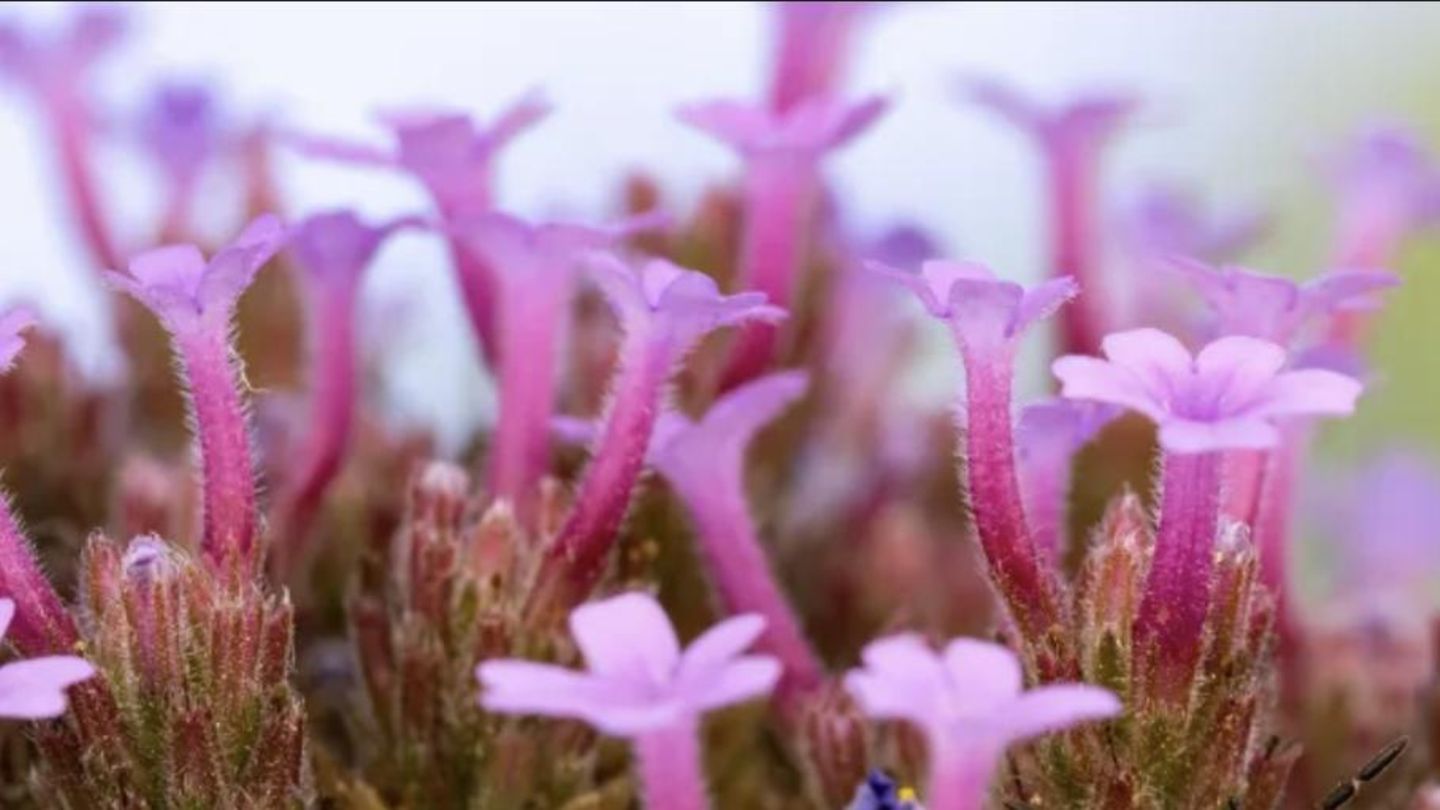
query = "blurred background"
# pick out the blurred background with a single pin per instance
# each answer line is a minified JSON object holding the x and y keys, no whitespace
{"x":1240,"y":99}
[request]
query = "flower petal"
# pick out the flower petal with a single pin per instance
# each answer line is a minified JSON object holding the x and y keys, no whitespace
{"x":35,"y":688}
{"x":741,"y":679}
{"x":903,"y":679}
{"x":7,"y":613}
{"x":1095,"y":380}
{"x":628,"y":638}
{"x":526,"y":687}
{"x":1233,"y":372}
{"x":1189,"y":436}
{"x":1309,"y":392}
{"x":1054,"y":708}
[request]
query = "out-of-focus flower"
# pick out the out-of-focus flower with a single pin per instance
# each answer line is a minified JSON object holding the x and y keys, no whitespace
{"x":1387,"y":186}
{"x":1071,"y":138}
{"x":181,"y":130}
{"x":34,"y":689}
{"x":983,"y":312}
{"x":969,"y":704}
{"x":705,"y":462}
{"x":812,"y":46}
{"x":1047,"y":437}
{"x":1250,"y":303}
{"x":1225,"y":397}
{"x":782,"y":153}
{"x":640,"y":685}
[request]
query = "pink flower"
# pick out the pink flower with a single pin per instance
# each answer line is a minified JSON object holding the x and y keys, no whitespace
{"x":450,"y":153}
{"x":1246,"y":302}
{"x":987,"y":317}
{"x":1387,"y":187}
{"x":187,"y":293}
{"x":55,"y":69}
{"x":705,"y":463}
{"x":664,"y":310}
{"x":1164,"y":221}
{"x":12,"y":324}
{"x":808,"y":129}
{"x":813,"y":41}
{"x":1228,"y":396}
{"x":1070,"y":138}
{"x":34,"y":689}
{"x":195,"y":301}
{"x":639,"y":684}
{"x":1047,"y":438}
{"x":969,"y":704}
{"x":983,"y":311}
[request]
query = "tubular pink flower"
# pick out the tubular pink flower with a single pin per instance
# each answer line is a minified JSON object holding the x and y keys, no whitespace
{"x":664,"y":310}
{"x":34,"y":689}
{"x":705,"y":463}
{"x":782,"y":154}
{"x":639,"y":685}
{"x":453,"y":157}
{"x":812,"y":47}
{"x":535,"y":267}
{"x":1387,"y":186}
{"x":56,"y":72}
{"x":986,"y":317}
{"x":1245,"y":302}
{"x":1227,"y":397}
{"x":968,"y":703}
{"x":44,"y":626}
{"x":181,"y":130}
{"x":195,"y":302}
{"x":332,"y":250}
{"x":1048,"y":436}
{"x":1071,"y":138}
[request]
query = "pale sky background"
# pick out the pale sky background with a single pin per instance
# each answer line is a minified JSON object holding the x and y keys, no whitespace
{"x":1241,"y":96}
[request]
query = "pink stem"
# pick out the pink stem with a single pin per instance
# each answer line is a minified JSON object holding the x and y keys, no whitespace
{"x":1028,"y":589}
{"x":72,"y":138}
{"x":1177,"y":592}
{"x":227,"y":472}
{"x":742,"y":575}
{"x":1072,"y":247}
{"x":332,"y":412}
{"x":531,"y":322}
{"x":576,"y":556}
{"x":1048,"y":491}
{"x":41,"y":625}
{"x":1273,"y":514}
{"x":959,"y":777}
{"x":779,"y":191}
{"x":671,"y":772}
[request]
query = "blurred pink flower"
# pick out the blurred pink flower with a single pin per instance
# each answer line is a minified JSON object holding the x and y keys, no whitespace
{"x":1250,"y":303}
{"x":813,"y":43}
{"x":55,"y":68}
{"x":983,"y":311}
{"x":808,"y":129}
{"x":34,"y":689}
{"x":1047,"y":437}
{"x":968,"y":701}
{"x":1387,"y":186}
{"x":1227,"y":396}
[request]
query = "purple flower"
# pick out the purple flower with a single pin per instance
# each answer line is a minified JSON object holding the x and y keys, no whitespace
{"x":1164,"y":221}
{"x":705,"y":463}
{"x":195,"y":301}
{"x":640,"y":685}
{"x":333,"y":250}
{"x":782,"y":153}
{"x":450,"y":153}
{"x":806,"y":130}
{"x":1047,"y":438}
{"x":57,"y":72}
{"x":12,"y":324}
{"x":34,"y":689}
{"x":986,"y":317}
{"x":55,"y":69}
{"x":1387,"y":186}
{"x":812,"y":45}
{"x":1228,"y":396}
{"x":664,"y":310}
{"x":1070,"y":138}
{"x":181,"y":130}
{"x":187,"y":293}
{"x":983,"y":312}
{"x":1253,"y":304}
{"x":969,"y":704}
